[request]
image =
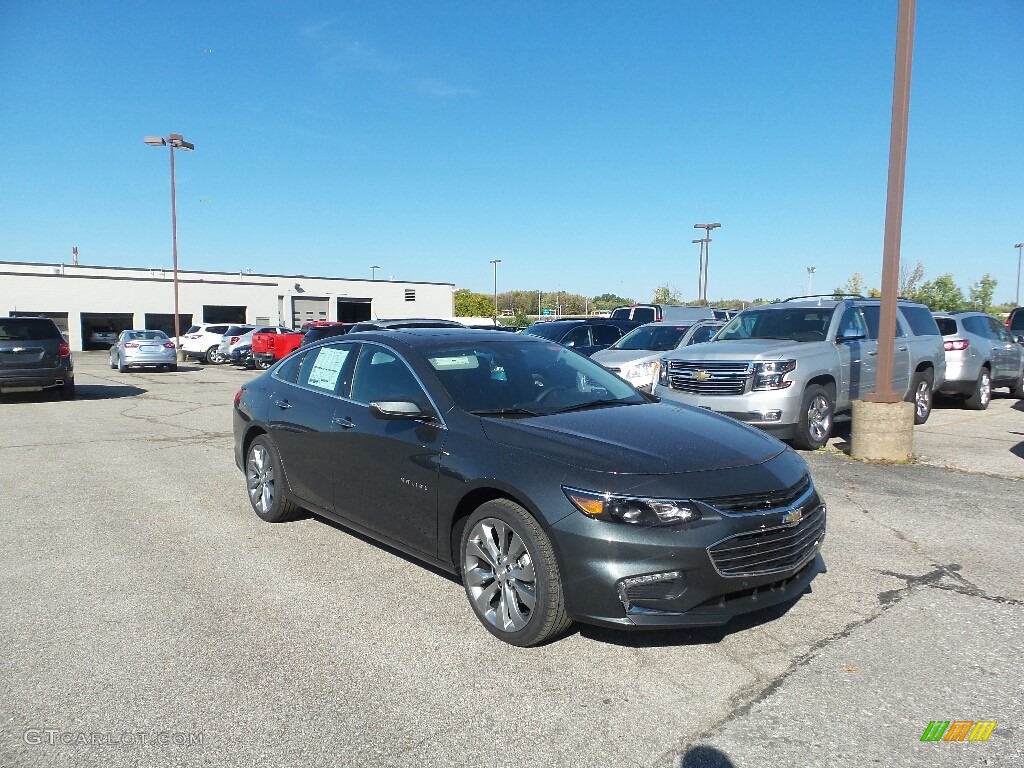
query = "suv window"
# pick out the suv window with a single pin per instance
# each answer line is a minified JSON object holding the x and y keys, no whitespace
{"x":1017,"y":320}
{"x":237,"y":330}
{"x":644,"y":314}
{"x":606,"y":334}
{"x":852,"y":324}
{"x":873,"y":315}
{"x":977,"y":325}
{"x":28,"y":329}
{"x":702,"y":334}
{"x":947,"y":326}
{"x":998,"y":331}
{"x":194,"y":329}
{"x":221,"y":329}
{"x":921,"y":321}
{"x":577,"y":337}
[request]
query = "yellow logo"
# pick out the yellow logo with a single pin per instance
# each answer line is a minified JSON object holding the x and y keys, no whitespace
{"x":702,"y":375}
{"x":792,"y":517}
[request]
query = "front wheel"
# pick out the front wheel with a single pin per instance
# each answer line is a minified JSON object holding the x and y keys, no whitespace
{"x":921,"y":396}
{"x":511,"y":575}
{"x":814,"y":426}
{"x":982,"y":392}
{"x":264,"y":481}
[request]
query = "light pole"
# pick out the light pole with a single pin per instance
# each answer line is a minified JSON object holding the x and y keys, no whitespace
{"x":495,"y":262}
{"x":700,"y":268}
{"x":810,"y":280}
{"x":707,"y":254}
{"x":1018,"y":246}
{"x":373,"y":271}
{"x":173,"y":141}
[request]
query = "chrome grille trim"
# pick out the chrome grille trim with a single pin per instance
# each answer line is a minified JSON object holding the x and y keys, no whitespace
{"x":795,"y":495}
{"x":769,"y":550}
{"x":709,"y":378}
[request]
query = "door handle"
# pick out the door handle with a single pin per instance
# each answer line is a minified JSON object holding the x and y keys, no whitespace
{"x":344,"y":423}
{"x":284,"y":405}
{"x":901,"y":349}
{"x":872,"y":354}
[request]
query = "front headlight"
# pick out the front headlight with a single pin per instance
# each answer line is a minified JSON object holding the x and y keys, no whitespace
{"x":632,"y":510}
{"x":773,"y":375}
{"x":643,"y":371}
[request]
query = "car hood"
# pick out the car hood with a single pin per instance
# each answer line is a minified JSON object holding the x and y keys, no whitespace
{"x":745,"y":349}
{"x":649,"y":439}
{"x":620,"y":358}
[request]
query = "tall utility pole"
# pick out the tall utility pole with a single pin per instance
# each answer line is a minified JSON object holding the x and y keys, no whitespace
{"x":173,"y":141}
{"x":707,"y":255}
{"x":810,"y":280}
{"x":1018,"y":246}
{"x":495,"y":262}
{"x":700,"y":270}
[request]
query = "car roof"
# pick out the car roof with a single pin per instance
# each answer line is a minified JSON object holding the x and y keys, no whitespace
{"x":422,"y":337}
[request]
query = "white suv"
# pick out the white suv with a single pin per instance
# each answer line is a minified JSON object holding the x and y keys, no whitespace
{"x":201,"y":342}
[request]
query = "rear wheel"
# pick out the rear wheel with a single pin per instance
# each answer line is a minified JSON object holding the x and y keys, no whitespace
{"x":511,"y":575}
{"x":121,"y":367}
{"x":982,"y":392}
{"x":264,"y":481}
{"x":213,"y":356}
{"x":921,"y":396}
{"x":261,"y":364}
{"x":112,"y":363}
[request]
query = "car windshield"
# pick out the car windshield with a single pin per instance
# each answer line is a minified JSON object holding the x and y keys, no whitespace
{"x":792,"y":324}
{"x":656,"y":338}
{"x":520,"y":377}
{"x":549,"y":331}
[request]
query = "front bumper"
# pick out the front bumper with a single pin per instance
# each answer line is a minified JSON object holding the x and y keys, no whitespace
{"x":776,"y":411}
{"x":602,"y":563}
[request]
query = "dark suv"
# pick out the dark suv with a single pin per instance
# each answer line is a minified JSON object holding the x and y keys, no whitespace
{"x":35,"y":356}
{"x":586,"y":335}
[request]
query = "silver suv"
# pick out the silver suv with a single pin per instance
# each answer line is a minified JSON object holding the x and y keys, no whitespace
{"x":980,"y":355}
{"x":789,"y":367}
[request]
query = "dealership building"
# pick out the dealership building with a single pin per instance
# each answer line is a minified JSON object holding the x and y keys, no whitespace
{"x":82,"y":299}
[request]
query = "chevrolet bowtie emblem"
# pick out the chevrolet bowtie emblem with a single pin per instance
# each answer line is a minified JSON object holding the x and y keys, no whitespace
{"x":792,"y":517}
{"x":702,"y":375}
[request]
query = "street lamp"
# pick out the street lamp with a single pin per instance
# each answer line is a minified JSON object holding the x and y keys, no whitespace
{"x":810,"y":280}
{"x":495,"y":262}
{"x":700,"y":268}
{"x":373,"y":271}
{"x":173,"y":141}
{"x":1018,"y":246}
{"x":707,"y":254}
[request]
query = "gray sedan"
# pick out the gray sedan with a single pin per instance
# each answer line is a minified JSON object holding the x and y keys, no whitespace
{"x":135,"y":349}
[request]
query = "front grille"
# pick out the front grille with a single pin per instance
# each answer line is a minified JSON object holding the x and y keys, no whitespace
{"x":769,"y":551}
{"x":747,"y":503}
{"x":706,"y":378}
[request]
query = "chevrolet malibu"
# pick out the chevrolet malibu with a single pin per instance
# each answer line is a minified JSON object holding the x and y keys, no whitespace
{"x":553,"y":488}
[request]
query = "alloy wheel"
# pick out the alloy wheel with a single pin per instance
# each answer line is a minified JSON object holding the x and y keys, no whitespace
{"x":819,"y":418}
{"x":923,"y":399}
{"x":500,"y":576}
{"x":985,"y":388}
{"x":259,"y":479}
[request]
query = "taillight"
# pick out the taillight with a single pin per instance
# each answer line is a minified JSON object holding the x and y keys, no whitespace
{"x":168,"y":345}
{"x":64,"y":350}
{"x":238,"y":396}
{"x":956,"y":345}
{"x":270,"y":343}
{"x":234,"y":339}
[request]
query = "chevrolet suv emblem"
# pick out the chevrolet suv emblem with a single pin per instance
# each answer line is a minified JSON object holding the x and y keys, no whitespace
{"x":792,"y":517}
{"x":702,"y":375}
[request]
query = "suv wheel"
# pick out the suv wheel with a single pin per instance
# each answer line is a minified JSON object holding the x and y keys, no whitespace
{"x":982,"y":392}
{"x":815,"y":424}
{"x":511,"y":575}
{"x":921,"y":396}
{"x":213,"y":356}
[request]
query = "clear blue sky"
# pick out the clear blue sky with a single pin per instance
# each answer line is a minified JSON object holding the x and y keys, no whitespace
{"x":578,"y":142}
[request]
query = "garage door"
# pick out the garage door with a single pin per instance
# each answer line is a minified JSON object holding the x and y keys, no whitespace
{"x":100,"y":329}
{"x":307,"y":308}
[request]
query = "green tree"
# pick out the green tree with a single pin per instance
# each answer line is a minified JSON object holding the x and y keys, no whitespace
{"x":855,"y":286}
{"x":609,"y":301}
{"x":470,"y":304}
{"x":663,"y":294}
{"x":981,"y":293}
{"x":910,"y":279}
{"x":941,"y":294}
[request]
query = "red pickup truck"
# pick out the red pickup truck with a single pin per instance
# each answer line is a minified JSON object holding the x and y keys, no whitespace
{"x":268,"y":348}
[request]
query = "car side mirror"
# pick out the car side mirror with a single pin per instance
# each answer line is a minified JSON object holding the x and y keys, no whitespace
{"x":1019,"y":338}
{"x":397,"y":410}
{"x":850,"y":336}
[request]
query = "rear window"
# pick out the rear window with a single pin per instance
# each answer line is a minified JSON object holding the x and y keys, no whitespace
{"x":922,"y":323}
{"x":947,"y":326}
{"x":235,"y":330}
{"x":644,"y":314}
{"x":1017,"y":320}
{"x":28,"y":329}
{"x":221,"y":329}
{"x":194,"y":329}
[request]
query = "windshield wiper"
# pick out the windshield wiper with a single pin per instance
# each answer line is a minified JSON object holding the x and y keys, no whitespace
{"x":505,"y":412}
{"x":594,"y":404}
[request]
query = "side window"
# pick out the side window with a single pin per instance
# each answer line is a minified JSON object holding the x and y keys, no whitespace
{"x":644,"y":314}
{"x":920,"y":320}
{"x":978,"y":326}
{"x":853,"y":324}
{"x":289,"y":369}
{"x":702,"y":334}
{"x":998,"y":331}
{"x":873,"y":315}
{"x":606,"y":334}
{"x":381,"y":375}
{"x":324,"y":368}
{"x":577,"y":337}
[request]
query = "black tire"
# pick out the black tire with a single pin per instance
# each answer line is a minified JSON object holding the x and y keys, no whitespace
{"x":817,"y":412}
{"x":262,"y":365}
{"x":172,"y":367}
{"x":121,"y":367}
{"x":67,"y":392}
{"x":1017,"y":390}
{"x":982,"y":395}
{"x":212,"y":355}
{"x":113,"y":365}
{"x":500,"y":539}
{"x":265,"y":483}
{"x":921,"y":396}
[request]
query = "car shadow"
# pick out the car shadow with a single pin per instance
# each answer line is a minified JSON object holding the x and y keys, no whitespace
{"x":82,"y":392}
{"x":703,"y":756}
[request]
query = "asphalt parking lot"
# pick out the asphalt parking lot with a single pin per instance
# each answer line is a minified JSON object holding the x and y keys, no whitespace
{"x":151,"y":619}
